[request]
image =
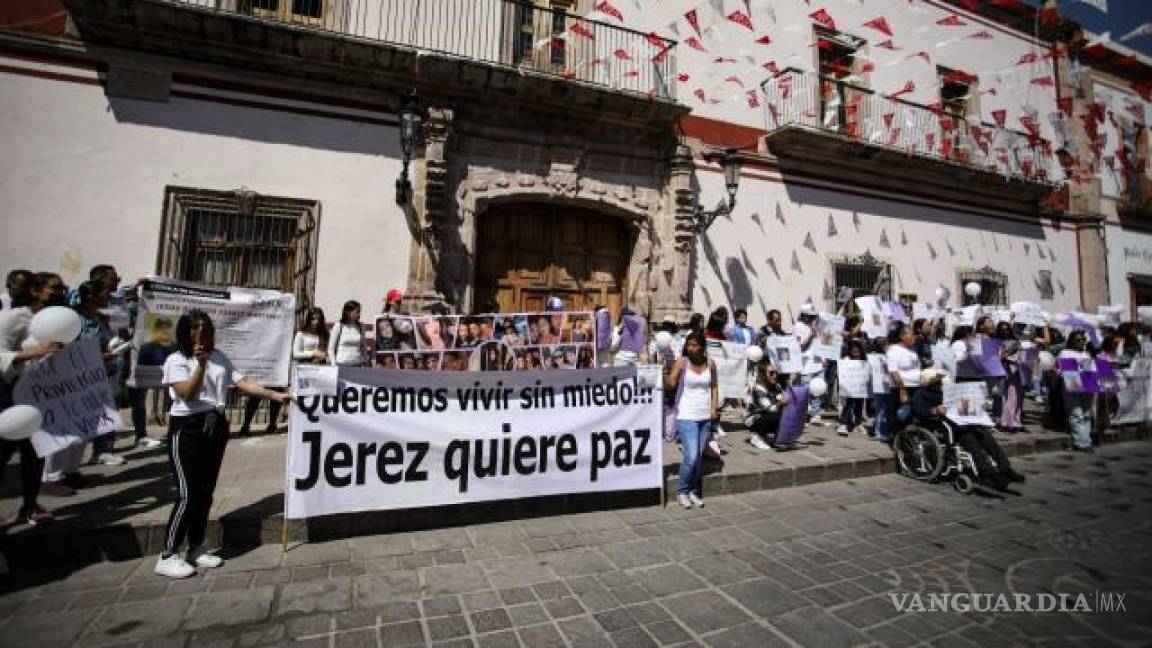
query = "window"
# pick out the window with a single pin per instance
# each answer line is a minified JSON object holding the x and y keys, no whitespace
{"x":993,"y":287}
{"x":837,"y":55}
{"x":1044,"y":285}
{"x":957,"y":101}
{"x":537,"y":25}
{"x":865,"y":275}
{"x":908,"y":302}
{"x":309,"y":12}
{"x":239,"y":238}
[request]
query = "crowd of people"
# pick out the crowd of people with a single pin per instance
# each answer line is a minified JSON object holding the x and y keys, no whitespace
{"x":913,"y":360}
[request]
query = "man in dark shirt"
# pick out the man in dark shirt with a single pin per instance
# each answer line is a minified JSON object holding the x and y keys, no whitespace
{"x":930,"y":412}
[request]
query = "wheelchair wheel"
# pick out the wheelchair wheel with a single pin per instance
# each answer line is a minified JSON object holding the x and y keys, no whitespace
{"x":963,"y":484}
{"x":919,"y":454}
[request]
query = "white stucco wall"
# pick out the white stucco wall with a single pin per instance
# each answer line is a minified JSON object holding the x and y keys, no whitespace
{"x":773,"y":220}
{"x":1129,"y":253}
{"x":83,"y":180}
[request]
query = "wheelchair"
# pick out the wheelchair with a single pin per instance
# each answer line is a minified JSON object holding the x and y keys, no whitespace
{"x":930,"y":456}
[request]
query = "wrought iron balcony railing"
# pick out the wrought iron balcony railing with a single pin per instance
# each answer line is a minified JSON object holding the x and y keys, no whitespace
{"x":507,"y":33}
{"x":801,"y":99}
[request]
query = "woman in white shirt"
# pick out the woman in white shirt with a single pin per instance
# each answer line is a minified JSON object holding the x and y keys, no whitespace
{"x":697,"y":404}
{"x":198,"y":378}
{"x":346,"y":344}
{"x":1079,"y":406}
{"x":904,"y":367}
{"x":310,"y":346}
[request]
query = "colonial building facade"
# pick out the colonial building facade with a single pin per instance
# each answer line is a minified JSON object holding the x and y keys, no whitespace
{"x":564,"y":148}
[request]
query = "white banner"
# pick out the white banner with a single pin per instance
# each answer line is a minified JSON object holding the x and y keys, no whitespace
{"x":829,"y":338}
{"x":965,"y":403}
{"x":71,"y":390}
{"x":875,"y":318}
{"x":1028,"y":313}
{"x":395,"y":440}
{"x":253,"y":328}
{"x":1134,"y":402}
{"x":731,"y":361}
{"x":855,"y":376}
{"x":881,"y":379}
{"x":784,"y":351}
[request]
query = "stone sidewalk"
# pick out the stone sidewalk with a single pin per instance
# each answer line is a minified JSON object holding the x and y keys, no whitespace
{"x":124,"y":512}
{"x":805,"y":566}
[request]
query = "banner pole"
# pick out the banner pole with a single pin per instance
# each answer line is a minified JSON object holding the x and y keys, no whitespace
{"x":284,"y":536}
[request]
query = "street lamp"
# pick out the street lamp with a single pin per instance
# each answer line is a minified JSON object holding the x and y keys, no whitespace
{"x":411,"y":123}
{"x":730,"y":162}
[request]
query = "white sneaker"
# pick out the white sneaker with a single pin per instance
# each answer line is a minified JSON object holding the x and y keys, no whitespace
{"x":208,"y":560}
{"x":859,"y":429}
{"x":109,"y":459}
{"x":684,"y":500}
{"x":720,"y":431}
{"x":842,"y":430}
{"x":148,"y":443}
{"x":174,"y":567}
{"x":696,"y":499}
{"x":758,"y":442}
{"x":816,"y":421}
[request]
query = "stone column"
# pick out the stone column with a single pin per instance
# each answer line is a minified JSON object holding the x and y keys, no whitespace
{"x":433,"y":263}
{"x":676,"y":239}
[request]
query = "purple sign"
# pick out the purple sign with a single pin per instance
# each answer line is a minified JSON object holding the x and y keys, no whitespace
{"x":1089,"y":376}
{"x":982,"y":363}
{"x":793,"y":417}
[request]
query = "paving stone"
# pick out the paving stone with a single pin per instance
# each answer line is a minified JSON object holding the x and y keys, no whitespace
{"x":475,"y":601}
{"x":491,"y":620}
{"x":613,"y":620}
{"x":550,"y":590}
{"x":505,"y":639}
{"x":667,"y":633}
{"x":454,"y":579}
{"x":748,"y":634}
{"x":409,"y":633}
{"x":447,"y":627}
{"x":540,"y":635}
{"x":518,"y":572}
{"x":227,"y":582}
{"x":354,"y":619}
{"x":564,"y":607}
{"x":516,"y":595}
{"x":868,"y":612}
{"x":764,"y":597}
{"x":375,"y":590}
{"x":315,"y":596}
{"x":527,"y":614}
{"x":667,"y":580}
{"x":438,"y":606}
{"x":234,"y":607}
{"x":719,"y":569}
{"x":135,"y":621}
{"x":810,"y":626}
{"x":635,"y":554}
{"x":363,"y":638}
{"x":704,"y":612}
{"x":648,"y":612}
{"x":582,"y":630}
{"x":56,"y":629}
{"x":143,"y":592}
{"x":462,"y":642}
{"x":577,"y":562}
{"x":634,"y":637}
{"x":312,"y":624}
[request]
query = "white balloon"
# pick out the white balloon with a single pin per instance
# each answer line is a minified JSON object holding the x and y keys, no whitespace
{"x":29,"y":343}
{"x":1047,"y":361}
{"x":55,"y":324}
{"x":754,"y":353}
{"x":818,"y":387}
{"x":663,"y":340}
{"x":972,"y":289}
{"x":941,"y":293}
{"x":19,"y":422}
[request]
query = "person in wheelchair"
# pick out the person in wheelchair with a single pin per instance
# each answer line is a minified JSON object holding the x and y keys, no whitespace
{"x":992,"y":465}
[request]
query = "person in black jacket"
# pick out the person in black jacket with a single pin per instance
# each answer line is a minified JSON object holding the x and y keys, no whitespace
{"x":930,"y":412}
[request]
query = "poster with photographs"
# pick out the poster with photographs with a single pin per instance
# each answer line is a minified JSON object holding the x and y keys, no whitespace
{"x":488,"y":342}
{"x":874,"y":317}
{"x":881,"y":379}
{"x":1089,"y":375}
{"x":829,"y":337}
{"x":855,"y":377}
{"x":784,"y":351}
{"x":965,"y":403}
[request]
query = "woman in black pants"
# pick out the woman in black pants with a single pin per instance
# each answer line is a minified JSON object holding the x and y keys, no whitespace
{"x":198,"y":378}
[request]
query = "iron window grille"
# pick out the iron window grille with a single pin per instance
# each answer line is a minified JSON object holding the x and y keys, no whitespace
{"x":865,"y":275}
{"x":993,"y":287}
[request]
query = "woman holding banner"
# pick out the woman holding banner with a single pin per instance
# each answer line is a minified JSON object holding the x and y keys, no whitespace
{"x":697,"y":408}
{"x":1079,"y":405}
{"x":346,"y":345}
{"x":198,"y":378}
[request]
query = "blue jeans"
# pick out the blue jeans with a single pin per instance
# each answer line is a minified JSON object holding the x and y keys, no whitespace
{"x":852,"y":413}
{"x":885,"y":414}
{"x":694,"y":435}
{"x":1079,"y":408}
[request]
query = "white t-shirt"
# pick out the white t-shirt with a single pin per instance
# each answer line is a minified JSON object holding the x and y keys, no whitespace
{"x":304,"y":345}
{"x":219,"y":375}
{"x":696,"y":397}
{"x":906,"y":362}
{"x":350,"y":351}
{"x":810,"y":364}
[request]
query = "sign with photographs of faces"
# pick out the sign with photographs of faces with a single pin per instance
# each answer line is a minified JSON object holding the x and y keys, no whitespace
{"x":489,"y":342}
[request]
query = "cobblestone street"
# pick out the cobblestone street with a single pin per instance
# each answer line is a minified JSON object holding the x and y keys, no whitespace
{"x":808,"y":566}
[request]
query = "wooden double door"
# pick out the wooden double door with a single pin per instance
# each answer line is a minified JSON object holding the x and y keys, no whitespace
{"x":528,"y":252}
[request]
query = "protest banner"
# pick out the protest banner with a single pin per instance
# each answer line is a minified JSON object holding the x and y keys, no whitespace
{"x":1089,"y":375}
{"x":881,"y":379}
{"x":253,"y":328}
{"x":1134,"y":402}
{"x":731,"y":367}
{"x":1110,"y":315}
{"x":829,"y":338}
{"x":844,"y":295}
{"x":487,"y":342}
{"x":943,"y":358}
{"x":854,"y":377}
{"x":895,"y":311}
{"x":784,"y":351}
{"x":873,"y":316}
{"x":927,"y":310}
{"x":965,"y":403}
{"x":396,"y":440}
{"x":71,"y":390}
{"x":968,"y":315}
{"x":1028,"y":313}
{"x":983,"y":360}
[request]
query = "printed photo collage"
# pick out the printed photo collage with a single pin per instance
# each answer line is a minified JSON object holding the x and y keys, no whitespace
{"x":502,"y":342}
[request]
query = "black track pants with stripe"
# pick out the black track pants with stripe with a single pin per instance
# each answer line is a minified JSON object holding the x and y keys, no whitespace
{"x":196,"y":446}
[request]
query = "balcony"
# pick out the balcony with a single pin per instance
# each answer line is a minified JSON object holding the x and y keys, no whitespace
{"x":828,"y":127}
{"x":513,"y":36}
